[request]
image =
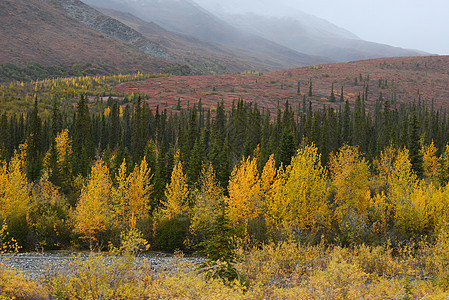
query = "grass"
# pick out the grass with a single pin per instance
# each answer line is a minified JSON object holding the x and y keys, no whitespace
{"x":286,"y":270}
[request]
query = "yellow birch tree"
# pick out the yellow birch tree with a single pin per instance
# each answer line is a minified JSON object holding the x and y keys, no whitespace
{"x":300,"y":197}
{"x":244,"y":201}
{"x":431,"y":164}
{"x":350,"y":180}
{"x":177,"y":195}
{"x":206,"y":201}
{"x":93,"y":213}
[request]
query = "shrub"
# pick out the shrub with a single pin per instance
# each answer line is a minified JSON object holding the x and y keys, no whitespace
{"x":14,"y":285}
{"x":171,"y":234}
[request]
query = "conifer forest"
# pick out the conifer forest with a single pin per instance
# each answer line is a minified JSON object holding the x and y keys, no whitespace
{"x":345,"y":200}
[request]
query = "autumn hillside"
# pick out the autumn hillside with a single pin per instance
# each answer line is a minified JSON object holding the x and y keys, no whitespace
{"x":402,"y":79}
{"x":37,"y":31}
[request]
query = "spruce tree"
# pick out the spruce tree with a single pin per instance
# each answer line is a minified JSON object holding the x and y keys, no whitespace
{"x":82,"y":139}
{"x":310,"y":88}
{"x":416,"y":156}
{"x":332,"y":96}
{"x":219,"y":250}
{"x":34,"y":141}
{"x":287,"y":147}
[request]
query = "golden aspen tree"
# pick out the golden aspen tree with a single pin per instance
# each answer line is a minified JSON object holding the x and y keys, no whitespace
{"x":139,"y":192}
{"x":300,"y":199}
{"x":380,"y":208}
{"x":440,"y":208}
{"x":267,"y":180}
{"x":409,"y":198}
{"x":15,"y":201}
{"x":64,"y":149}
{"x":384,"y":168}
{"x":177,"y":195}
{"x":403,"y":180}
{"x":61,"y":164}
{"x":119,"y":197}
{"x":206,"y":201}
{"x":431,"y":164}
{"x":244,"y":202}
{"x":350,"y":180}
{"x":378,"y":213}
{"x":93,"y":213}
{"x":444,"y":166}
{"x":15,"y":197}
{"x":49,"y":215}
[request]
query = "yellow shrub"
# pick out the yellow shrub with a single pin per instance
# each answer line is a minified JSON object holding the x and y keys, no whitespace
{"x":15,"y":285}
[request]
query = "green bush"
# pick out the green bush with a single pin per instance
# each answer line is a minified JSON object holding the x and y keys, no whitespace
{"x":172,"y":233}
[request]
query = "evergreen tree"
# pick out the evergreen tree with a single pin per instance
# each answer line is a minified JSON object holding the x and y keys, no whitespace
{"x":34,"y":141}
{"x":416,"y":156}
{"x":138,"y":141}
{"x":310,"y":88}
{"x":332,"y":96}
{"x":82,"y":139}
{"x":287,"y":147}
{"x":114,"y":133}
{"x":220,"y":250}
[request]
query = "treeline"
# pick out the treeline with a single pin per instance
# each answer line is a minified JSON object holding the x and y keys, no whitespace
{"x":357,"y":176}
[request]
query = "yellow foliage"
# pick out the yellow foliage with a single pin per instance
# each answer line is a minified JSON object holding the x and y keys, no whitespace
{"x":384,"y":166}
{"x":244,"y":202}
{"x":431,"y":164}
{"x":93,"y":213}
{"x":15,"y":285}
{"x":267,"y":179}
{"x":444,"y":166}
{"x":378,"y":212}
{"x":119,"y":196}
{"x":177,"y":195}
{"x":15,"y":197}
{"x":402,"y":180}
{"x":413,"y":216}
{"x":300,"y":197}
{"x":139,"y":192}
{"x":350,"y":180}
{"x":206,"y":201}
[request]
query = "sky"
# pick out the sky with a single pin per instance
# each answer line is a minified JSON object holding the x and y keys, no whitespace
{"x":421,"y":25}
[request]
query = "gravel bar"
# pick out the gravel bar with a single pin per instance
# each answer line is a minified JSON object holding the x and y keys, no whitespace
{"x":35,"y":264}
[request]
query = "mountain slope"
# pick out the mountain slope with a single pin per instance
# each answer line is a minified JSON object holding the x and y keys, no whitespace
{"x":311,"y":35}
{"x":111,"y":27}
{"x":204,"y":57}
{"x":37,"y":31}
{"x":186,"y":17}
{"x":398,"y":79}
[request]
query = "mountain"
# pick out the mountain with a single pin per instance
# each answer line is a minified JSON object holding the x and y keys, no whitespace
{"x":301,"y":32}
{"x":39,"y":31}
{"x":200,"y":56}
{"x":311,"y":35}
{"x":186,"y":17}
{"x":399,"y":80}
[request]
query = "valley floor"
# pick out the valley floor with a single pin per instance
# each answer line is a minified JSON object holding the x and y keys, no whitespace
{"x":286,"y":270}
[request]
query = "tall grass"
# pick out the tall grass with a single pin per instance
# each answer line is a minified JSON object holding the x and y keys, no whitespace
{"x":285,"y":270}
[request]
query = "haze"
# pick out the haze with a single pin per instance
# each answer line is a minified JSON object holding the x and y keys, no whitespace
{"x":412,"y":24}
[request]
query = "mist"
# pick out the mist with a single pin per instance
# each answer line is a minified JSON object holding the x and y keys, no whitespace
{"x":421,"y":25}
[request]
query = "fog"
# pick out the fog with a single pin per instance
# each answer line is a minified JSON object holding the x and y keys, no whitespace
{"x":422,"y":25}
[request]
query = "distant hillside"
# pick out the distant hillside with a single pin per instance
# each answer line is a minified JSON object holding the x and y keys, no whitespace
{"x":186,"y":17}
{"x":204,"y":56}
{"x":398,"y":80}
{"x":315,"y":36}
{"x":37,"y":31}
